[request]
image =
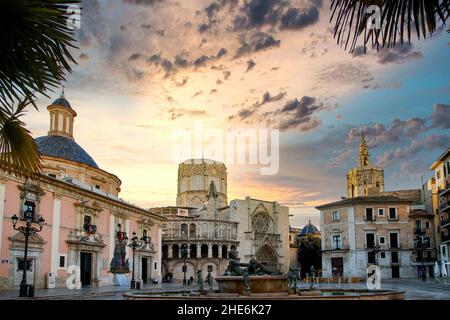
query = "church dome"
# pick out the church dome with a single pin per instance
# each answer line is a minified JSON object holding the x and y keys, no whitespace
{"x":309,"y":229}
{"x":61,"y":101}
{"x":63,"y":147}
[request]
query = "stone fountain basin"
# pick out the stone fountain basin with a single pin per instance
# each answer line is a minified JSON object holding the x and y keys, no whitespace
{"x":258,"y":284}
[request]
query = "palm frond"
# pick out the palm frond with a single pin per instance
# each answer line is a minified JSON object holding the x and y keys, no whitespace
{"x":34,"y":42}
{"x":18,"y":150}
{"x":399,"y":20}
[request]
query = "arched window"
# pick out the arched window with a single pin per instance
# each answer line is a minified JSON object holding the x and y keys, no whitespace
{"x":165,"y":251}
{"x":204,"y":251}
{"x":193,"y":251}
{"x":353,"y":190}
{"x":224,"y":251}
{"x":215,"y":251}
{"x":184,"y":229}
{"x":175,"y":251}
{"x":192,"y":230}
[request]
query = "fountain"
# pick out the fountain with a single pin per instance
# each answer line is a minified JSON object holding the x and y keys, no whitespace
{"x":253,"y":280}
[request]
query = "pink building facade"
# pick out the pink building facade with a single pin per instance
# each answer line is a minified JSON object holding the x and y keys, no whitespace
{"x":85,"y":219}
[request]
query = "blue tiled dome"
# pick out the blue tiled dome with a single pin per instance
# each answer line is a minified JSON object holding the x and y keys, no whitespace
{"x":62,"y":102}
{"x":62,"y":147}
{"x":309,"y":229}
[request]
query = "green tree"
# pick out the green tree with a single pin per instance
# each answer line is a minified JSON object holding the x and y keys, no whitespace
{"x":398,"y":20}
{"x":34,"y":57}
{"x":309,"y":253}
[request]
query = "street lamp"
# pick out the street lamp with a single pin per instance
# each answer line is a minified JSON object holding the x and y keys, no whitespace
{"x":184,"y":254}
{"x":27,"y":290}
{"x":134,"y":244}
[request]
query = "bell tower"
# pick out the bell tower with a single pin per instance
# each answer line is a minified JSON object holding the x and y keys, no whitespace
{"x":365,"y":179}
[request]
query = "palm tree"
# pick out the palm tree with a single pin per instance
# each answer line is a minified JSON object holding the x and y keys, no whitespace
{"x":399,"y":18}
{"x":34,"y":57}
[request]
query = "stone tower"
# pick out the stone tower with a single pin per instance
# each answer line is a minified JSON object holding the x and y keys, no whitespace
{"x":366,"y":179}
{"x":194,"y":183}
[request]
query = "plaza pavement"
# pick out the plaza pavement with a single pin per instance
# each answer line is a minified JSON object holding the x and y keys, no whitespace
{"x":414,"y":290}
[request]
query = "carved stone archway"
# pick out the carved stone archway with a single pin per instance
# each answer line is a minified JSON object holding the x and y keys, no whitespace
{"x":267,"y":256}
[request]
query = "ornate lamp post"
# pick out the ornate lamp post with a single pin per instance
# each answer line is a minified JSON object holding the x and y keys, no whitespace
{"x":134,"y":244}
{"x":28,"y":230}
{"x":184,"y":254}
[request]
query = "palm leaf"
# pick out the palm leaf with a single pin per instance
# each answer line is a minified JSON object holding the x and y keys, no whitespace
{"x":34,"y":38}
{"x":399,"y":19}
{"x":18,"y":150}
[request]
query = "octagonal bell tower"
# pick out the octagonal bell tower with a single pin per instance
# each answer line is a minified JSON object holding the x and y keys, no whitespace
{"x":195,"y":180}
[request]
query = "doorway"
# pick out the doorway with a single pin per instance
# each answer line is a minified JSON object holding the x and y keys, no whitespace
{"x":395,"y":272}
{"x":86,"y":268}
{"x":144,"y":269}
{"x":337,"y":267}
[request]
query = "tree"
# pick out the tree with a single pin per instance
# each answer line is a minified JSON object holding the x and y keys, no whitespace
{"x":309,"y":253}
{"x":34,"y":57}
{"x":398,"y":20}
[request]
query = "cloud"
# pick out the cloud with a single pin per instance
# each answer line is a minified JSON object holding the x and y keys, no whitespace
{"x":298,"y":114}
{"x":256,"y":41}
{"x":296,"y":18}
{"x":399,"y":129}
{"x":250,"y":65}
{"x":180,"y":112}
{"x":142,"y":2}
{"x":429,"y":143}
{"x":441,"y":116}
{"x":398,"y":54}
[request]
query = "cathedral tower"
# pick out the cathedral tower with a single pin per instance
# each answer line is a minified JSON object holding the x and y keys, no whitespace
{"x":364,"y":180}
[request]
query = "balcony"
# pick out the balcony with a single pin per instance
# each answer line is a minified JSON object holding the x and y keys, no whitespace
{"x":446,"y":190}
{"x":337,"y":248}
{"x":419,"y":231}
{"x":444,"y":206}
{"x":445,"y":238}
{"x":445,"y":223}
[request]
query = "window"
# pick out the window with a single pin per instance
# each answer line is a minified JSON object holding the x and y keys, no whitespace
{"x":371,"y":257}
{"x":156,"y":266}
{"x":196,"y":183}
{"x":98,"y":187}
{"x":62,"y":261}
{"x":381,"y":212}
{"x":370,"y":240}
{"x":369,"y":214}
{"x":394,"y":257}
{"x":382,"y":240}
{"x":438,"y":174}
{"x":393,"y":213}
{"x":427,"y":225}
{"x":21,"y":264}
{"x":335,"y":216}
{"x":393,"y":238}
{"x":418,"y":225}
{"x":336,"y":242}
{"x":383,"y":255}
{"x":52,"y":175}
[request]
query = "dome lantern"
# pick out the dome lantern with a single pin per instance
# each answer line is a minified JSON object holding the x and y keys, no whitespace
{"x":61,"y":117}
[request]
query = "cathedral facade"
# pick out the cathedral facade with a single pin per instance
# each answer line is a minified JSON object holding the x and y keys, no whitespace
{"x":203,"y":227}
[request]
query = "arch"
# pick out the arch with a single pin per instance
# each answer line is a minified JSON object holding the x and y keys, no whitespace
{"x":266,"y":255}
{"x":353,"y":190}
{"x":193,"y":251}
{"x":175,"y":251}
{"x":224,"y":251}
{"x":192,"y":230}
{"x":204,"y":251}
{"x":165,"y":251}
{"x":215,"y":251}
{"x":184,"y":229}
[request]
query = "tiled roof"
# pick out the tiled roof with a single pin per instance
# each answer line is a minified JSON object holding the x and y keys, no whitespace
{"x":309,"y":229}
{"x":362,"y":200}
{"x":62,"y":147}
{"x":62,"y":102}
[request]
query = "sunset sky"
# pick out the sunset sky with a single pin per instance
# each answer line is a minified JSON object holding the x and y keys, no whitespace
{"x":147,"y":68}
